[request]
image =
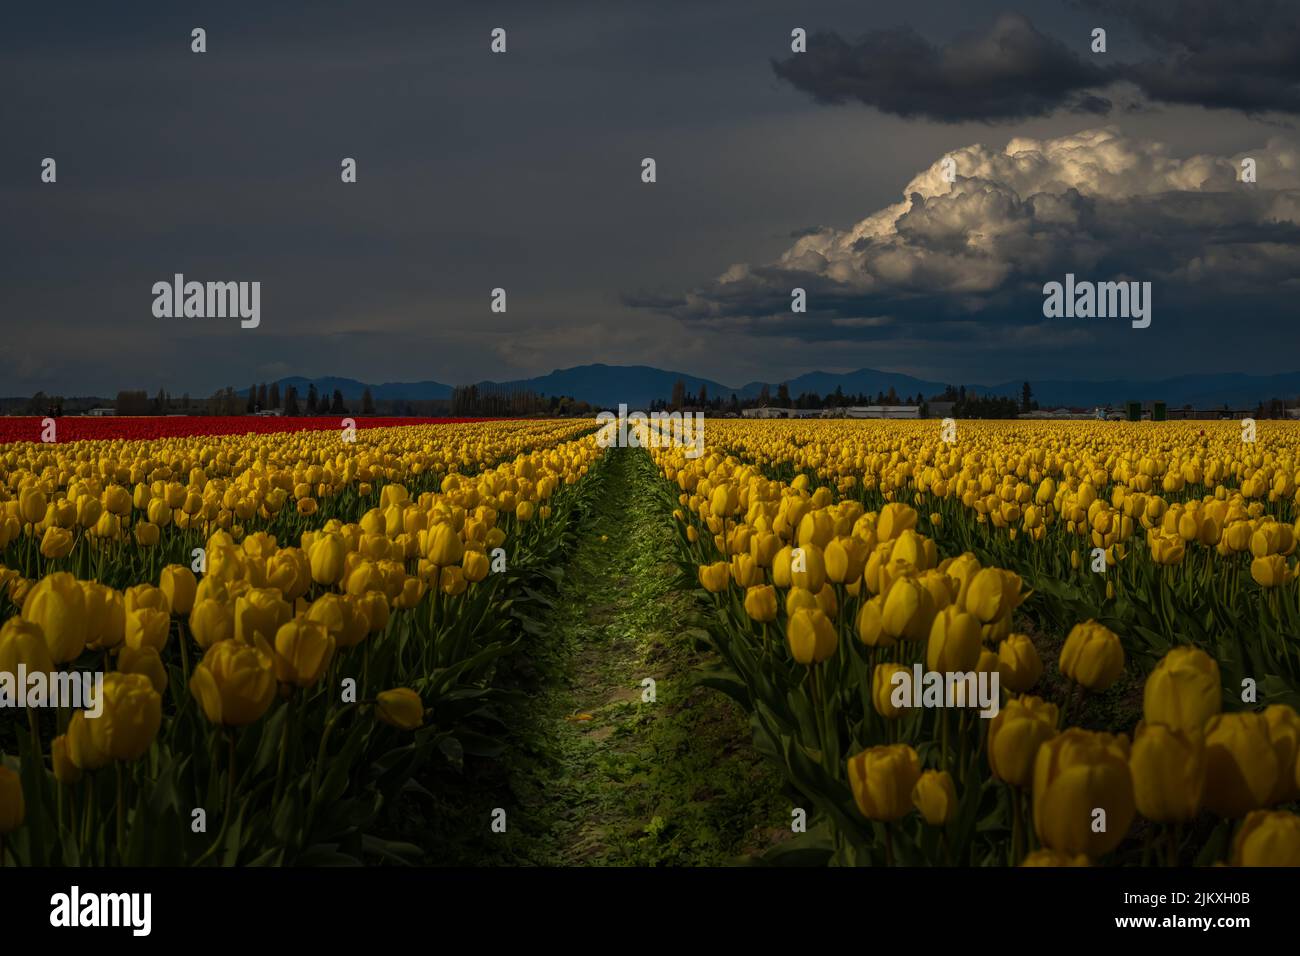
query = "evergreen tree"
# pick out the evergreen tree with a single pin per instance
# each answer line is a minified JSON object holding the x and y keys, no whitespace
{"x":313,"y":401}
{"x":367,"y":402}
{"x":273,"y":397}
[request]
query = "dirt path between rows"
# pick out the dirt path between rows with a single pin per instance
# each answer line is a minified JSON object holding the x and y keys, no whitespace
{"x":603,"y":774}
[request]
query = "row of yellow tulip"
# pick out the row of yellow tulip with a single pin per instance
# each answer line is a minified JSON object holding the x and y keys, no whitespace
{"x":392,"y":597}
{"x":109,"y":489}
{"x":855,"y":596}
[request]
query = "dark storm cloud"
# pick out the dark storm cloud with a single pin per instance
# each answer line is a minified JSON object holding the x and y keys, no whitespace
{"x":1237,"y":55}
{"x":1010,"y":72}
{"x":1234,"y":56}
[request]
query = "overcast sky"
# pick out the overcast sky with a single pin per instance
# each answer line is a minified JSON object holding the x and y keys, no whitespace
{"x":820,"y":170}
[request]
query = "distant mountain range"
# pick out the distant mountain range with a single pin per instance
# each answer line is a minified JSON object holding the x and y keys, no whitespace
{"x":639,"y":385}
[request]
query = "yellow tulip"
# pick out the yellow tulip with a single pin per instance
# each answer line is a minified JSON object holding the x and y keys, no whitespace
{"x":443,"y":546}
{"x":326,"y":555}
{"x":882,"y":779}
{"x":21,"y":642}
{"x":131,"y":718}
{"x":1241,"y":764}
{"x":57,"y":605}
{"x":1284,"y":735}
{"x":1183,"y":690}
{"x":259,"y":612}
{"x":936,"y":797}
{"x":57,"y":543}
{"x":882,"y":688}
{"x":1019,"y":666}
{"x":1168,"y":767}
{"x":303,"y":650}
{"x":1016,"y":733}
{"x":760,"y":603}
{"x":65,"y":771}
{"x":147,"y":627}
{"x":1092,"y":656}
{"x":870,"y":625}
{"x":1267,"y":838}
{"x":212,"y":621}
{"x":475,"y":565}
{"x":400,"y":708}
{"x":811,"y":636}
{"x":1079,"y":775}
{"x":908,"y":611}
{"x":954,"y":643}
{"x":452,"y":581}
{"x":235,"y":682}
{"x":145,"y":660}
{"x":1271,"y":571}
{"x":716,"y":577}
{"x":83,"y":751}
{"x":179,"y":585}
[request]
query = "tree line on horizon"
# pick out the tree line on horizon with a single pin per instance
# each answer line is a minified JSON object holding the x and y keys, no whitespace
{"x":964,"y":405}
{"x":499,"y":401}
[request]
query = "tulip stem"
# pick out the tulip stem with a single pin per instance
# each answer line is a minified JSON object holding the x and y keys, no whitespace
{"x":817,"y":714}
{"x":943,"y":737}
{"x":35,"y":728}
{"x":1174,"y":835}
{"x":121,"y":814}
{"x":227,"y":809}
{"x":284,"y":750}
{"x":185,"y":652}
{"x":324,"y":743}
{"x":961,"y":744}
{"x":85,"y":821}
{"x":889,"y":845}
{"x":1017,"y":829}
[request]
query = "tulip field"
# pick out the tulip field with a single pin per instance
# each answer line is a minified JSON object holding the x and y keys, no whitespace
{"x":1096,"y":626}
{"x":1132,"y":586}
{"x":289,"y":626}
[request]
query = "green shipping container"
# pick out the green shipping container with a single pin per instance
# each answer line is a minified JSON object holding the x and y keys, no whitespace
{"x":1135,"y":411}
{"x":1159,"y":412}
